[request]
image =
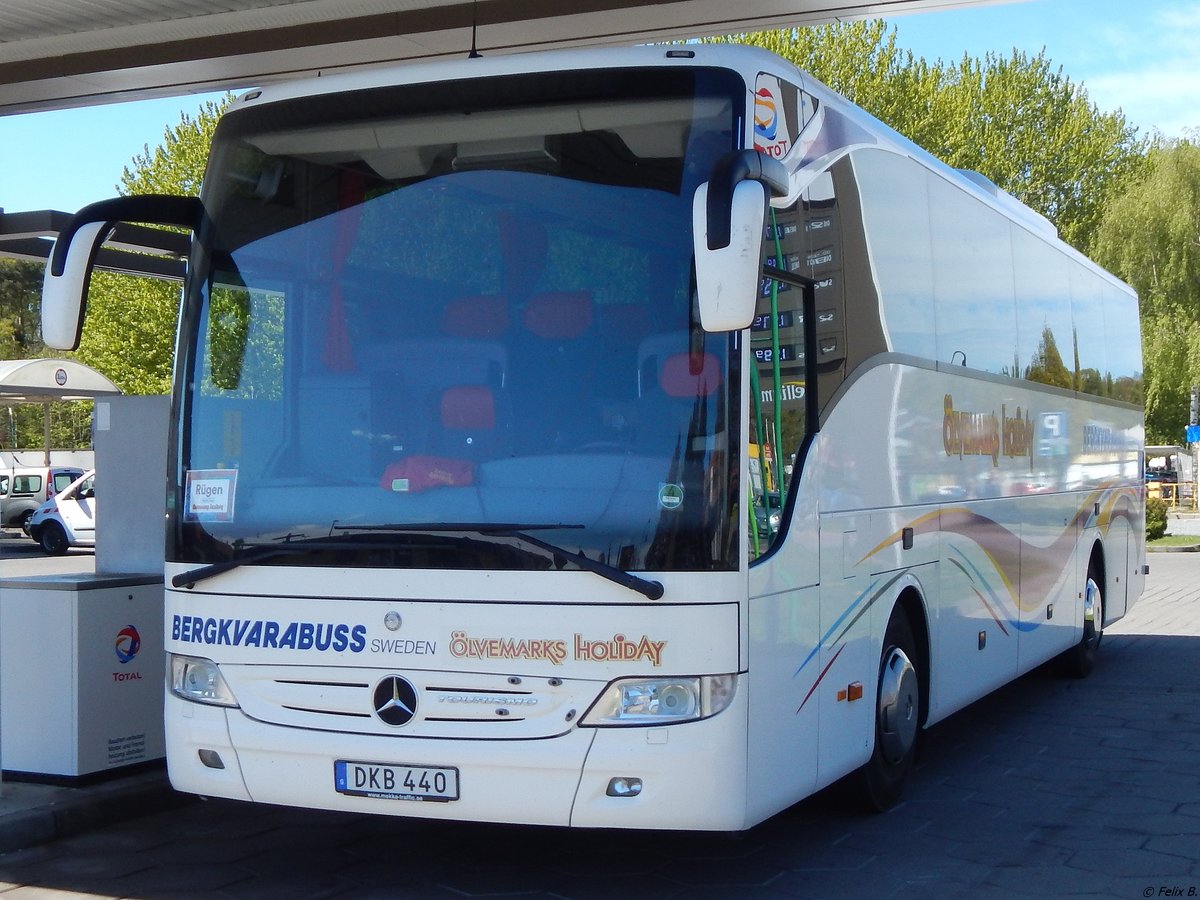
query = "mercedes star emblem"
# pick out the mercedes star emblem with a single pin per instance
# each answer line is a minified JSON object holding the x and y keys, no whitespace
{"x":395,"y":700}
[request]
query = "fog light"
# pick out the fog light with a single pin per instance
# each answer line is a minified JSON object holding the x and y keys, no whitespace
{"x":211,"y":758}
{"x":624,"y":787}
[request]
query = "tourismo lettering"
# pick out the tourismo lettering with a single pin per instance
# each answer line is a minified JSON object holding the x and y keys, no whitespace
{"x":269,"y":635}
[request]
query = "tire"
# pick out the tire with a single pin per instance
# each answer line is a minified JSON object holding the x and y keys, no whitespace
{"x":24,"y":520}
{"x":897,"y":717}
{"x":53,"y":539}
{"x":1080,"y":660}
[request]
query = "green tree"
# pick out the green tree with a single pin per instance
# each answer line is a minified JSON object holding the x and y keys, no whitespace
{"x":1047,"y":366}
{"x":1150,"y":237}
{"x":1015,"y":119}
{"x":22,"y":426}
{"x":130,"y":328}
{"x":20,"y":301}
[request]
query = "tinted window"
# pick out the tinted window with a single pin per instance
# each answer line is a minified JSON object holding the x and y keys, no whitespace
{"x":463,"y":305}
{"x":1124,"y":353}
{"x":895,"y":204}
{"x":1087,"y":307}
{"x":1045,"y":335}
{"x":972,"y":281}
{"x":27,"y":484}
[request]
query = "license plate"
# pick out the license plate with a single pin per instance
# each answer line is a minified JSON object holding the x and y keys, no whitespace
{"x":386,"y":781}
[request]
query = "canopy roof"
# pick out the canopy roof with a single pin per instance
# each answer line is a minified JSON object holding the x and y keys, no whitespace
{"x":60,"y":53}
{"x":44,"y":380}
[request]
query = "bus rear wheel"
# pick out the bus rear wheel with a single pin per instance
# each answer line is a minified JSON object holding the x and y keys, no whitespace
{"x":897,"y":717}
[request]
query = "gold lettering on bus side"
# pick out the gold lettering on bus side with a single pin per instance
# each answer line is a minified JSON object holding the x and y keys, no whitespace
{"x":970,"y":434}
{"x":1018,"y":435}
{"x":986,"y":434}
{"x":464,"y":647}
{"x":616,"y":649}
{"x":619,"y":649}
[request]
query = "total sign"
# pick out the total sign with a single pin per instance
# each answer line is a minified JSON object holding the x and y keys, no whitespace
{"x":771,"y":133}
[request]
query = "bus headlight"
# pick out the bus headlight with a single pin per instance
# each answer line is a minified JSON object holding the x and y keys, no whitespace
{"x":661,"y":701}
{"x":199,"y":680}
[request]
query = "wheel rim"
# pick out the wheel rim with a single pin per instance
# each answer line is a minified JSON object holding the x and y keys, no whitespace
{"x":899,"y":705}
{"x":1093,"y":614}
{"x":54,"y":541}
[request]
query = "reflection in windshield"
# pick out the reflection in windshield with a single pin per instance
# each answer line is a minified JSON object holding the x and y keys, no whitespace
{"x":465,"y":332}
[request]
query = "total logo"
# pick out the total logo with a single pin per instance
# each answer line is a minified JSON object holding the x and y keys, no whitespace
{"x":766,"y":116}
{"x":771,"y":134}
{"x":127,"y":645}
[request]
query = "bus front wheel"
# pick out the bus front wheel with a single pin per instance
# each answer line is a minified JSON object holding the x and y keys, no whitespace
{"x":897,"y":717}
{"x":1079,"y":661}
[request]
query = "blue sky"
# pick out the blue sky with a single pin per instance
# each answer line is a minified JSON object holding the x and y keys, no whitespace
{"x":1141,"y":57}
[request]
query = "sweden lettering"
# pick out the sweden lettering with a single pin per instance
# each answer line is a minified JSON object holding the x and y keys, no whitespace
{"x":403,"y":647}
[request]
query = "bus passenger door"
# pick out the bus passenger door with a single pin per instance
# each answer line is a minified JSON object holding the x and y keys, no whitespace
{"x":846,"y":680}
{"x":784,"y":633}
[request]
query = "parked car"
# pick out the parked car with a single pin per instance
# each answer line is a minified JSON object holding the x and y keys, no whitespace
{"x":768,"y":525}
{"x":68,"y":520}
{"x":28,"y":487}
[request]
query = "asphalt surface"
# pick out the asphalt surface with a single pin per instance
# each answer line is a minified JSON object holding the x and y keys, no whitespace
{"x":1048,"y":787}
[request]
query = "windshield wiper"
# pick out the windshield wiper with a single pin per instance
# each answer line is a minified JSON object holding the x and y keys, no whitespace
{"x":253,"y":554}
{"x":256,"y":553}
{"x":653,"y":590}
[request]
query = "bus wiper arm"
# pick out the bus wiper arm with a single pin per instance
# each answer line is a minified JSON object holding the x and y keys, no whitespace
{"x":259,"y":553}
{"x":256,"y":553}
{"x":653,"y":590}
{"x":650,"y":589}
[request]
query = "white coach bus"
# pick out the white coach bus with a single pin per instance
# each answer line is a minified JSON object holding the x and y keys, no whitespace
{"x":507,"y":487}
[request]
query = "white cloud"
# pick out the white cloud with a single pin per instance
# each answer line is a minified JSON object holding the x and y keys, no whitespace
{"x":1146,"y":65}
{"x":1160,"y":97}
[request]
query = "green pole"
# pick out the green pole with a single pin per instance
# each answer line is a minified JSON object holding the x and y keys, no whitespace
{"x":775,"y":362}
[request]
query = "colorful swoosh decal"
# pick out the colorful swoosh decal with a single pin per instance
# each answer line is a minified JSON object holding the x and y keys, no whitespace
{"x":821,"y":677}
{"x":1038,"y":569}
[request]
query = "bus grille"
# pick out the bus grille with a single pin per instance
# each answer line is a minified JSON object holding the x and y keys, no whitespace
{"x":448,"y":705}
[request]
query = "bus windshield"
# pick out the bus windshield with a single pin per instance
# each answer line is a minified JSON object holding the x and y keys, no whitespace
{"x":423,"y":319}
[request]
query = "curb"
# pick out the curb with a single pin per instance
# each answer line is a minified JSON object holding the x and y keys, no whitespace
{"x":1181,"y":548}
{"x":67,"y":812}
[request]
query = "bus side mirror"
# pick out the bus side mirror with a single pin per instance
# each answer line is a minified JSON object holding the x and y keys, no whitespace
{"x":63,"y":294}
{"x":728,"y":221}
{"x":69,"y":270}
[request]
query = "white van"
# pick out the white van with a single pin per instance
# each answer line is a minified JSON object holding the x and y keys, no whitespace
{"x":69,"y":519}
{"x":28,"y":487}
